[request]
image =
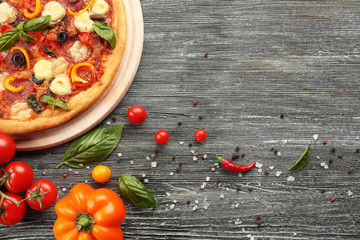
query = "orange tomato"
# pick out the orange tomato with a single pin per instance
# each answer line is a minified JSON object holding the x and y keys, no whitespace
{"x":89,"y":214}
{"x":101,"y":173}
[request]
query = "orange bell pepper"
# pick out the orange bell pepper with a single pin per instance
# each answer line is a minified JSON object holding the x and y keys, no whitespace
{"x":89,"y":214}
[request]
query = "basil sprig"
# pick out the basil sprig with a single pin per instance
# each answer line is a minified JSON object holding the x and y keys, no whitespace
{"x":133,"y":191}
{"x":54,"y":102}
{"x":11,"y":35}
{"x":92,"y":147}
{"x":301,"y":163}
{"x":106,"y":32}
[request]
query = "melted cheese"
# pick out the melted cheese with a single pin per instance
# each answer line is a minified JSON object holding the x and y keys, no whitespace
{"x":7,"y":13}
{"x":100,"y":7}
{"x":61,"y":85}
{"x":55,"y":10}
{"x":21,"y":111}
{"x":79,"y":51}
{"x":2,"y":79}
{"x":43,"y":70}
{"x":60,"y":66}
{"x":83,"y":22}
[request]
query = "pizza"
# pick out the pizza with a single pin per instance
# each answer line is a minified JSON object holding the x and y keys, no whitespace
{"x":57,"y":58}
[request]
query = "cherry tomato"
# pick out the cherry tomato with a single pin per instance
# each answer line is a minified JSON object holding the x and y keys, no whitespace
{"x":101,"y":173}
{"x":136,"y":114}
{"x":18,"y":177}
{"x":87,"y":73}
{"x":10,"y":212}
{"x":200,"y":135}
{"x":85,"y":38}
{"x":5,"y":28}
{"x":41,"y":194}
{"x":7,"y":148}
{"x":162,"y":137}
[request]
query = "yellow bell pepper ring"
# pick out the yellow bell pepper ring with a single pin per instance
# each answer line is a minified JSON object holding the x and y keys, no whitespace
{"x":7,"y":84}
{"x":35,"y":13}
{"x":25,"y":54}
{"x":81,"y":12}
{"x":77,"y":80}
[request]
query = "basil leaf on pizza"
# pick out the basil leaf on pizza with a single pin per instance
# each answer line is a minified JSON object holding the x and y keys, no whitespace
{"x":56,"y":61}
{"x":37,"y":24}
{"x":8,"y":38}
{"x":106,"y":32}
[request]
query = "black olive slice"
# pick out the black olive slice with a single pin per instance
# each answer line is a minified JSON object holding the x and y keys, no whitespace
{"x":98,"y":17}
{"x":33,"y":103}
{"x":18,"y":59}
{"x":38,"y":82}
{"x":73,"y":1}
{"x":61,"y":37}
{"x":14,"y":24}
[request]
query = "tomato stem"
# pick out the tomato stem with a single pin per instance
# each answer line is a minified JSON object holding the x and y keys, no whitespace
{"x":3,"y":197}
{"x":84,"y":222}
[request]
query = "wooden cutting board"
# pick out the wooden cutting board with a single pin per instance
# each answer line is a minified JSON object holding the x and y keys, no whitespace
{"x":107,"y":103}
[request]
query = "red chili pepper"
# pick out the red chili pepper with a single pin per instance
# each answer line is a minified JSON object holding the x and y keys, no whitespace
{"x":233,"y":167}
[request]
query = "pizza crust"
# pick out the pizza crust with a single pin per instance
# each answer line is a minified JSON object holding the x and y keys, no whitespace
{"x":83,"y":100}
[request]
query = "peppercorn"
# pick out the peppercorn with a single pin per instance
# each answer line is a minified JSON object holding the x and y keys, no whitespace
{"x":237,"y":148}
{"x":143,"y":175}
{"x":153,"y":155}
{"x":118,"y":160}
{"x":237,"y":156}
{"x":156,"y":151}
{"x":180,"y":164}
{"x":188,"y":202}
{"x":233,"y":156}
{"x":64,"y":175}
{"x":266,"y":172}
{"x":324,"y":142}
{"x":258,"y":217}
{"x":238,"y":189}
{"x":250,"y":189}
{"x":173,"y":158}
{"x":252,"y":148}
{"x":333,"y":199}
{"x":322,"y":190}
{"x":178,"y":169}
{"x":243,"y":155}
{"x":196,"y":103}
{"x":349,"y":171}
{"x":196,"y":154}
{"x":114,"y":118}
{"x":357,"y":150}
{"x":330,"y":161}
{"x":333,"y":148}
{"x":259,"y":223}
{"x":206,"y":54}
{"x":213,"y":169}
{"x":190,"y":144}
{"x":282,"y":115}
{"x":275,"y":151}
{"x":202,"y":158}
{"x":340,"y":155}
{"x":179,"y":124}
{"x":201,"y":117}
{"x":272,"y":148}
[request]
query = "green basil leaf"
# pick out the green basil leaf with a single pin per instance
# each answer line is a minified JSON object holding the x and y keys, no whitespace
{"x":106,"y":32}
{"x":302,"y":160}
{"x":51,"y":101}
{"x":20,"y":26}
{"x":37,"y":24}
{"x":8,"y":38}
{"x":92,"y":147}
{"x":26,"y":37}
{"x":61,"y":104}
{"x":133,"y":191}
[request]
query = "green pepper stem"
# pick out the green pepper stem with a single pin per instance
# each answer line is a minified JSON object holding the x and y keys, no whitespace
{"x":219,"y":159}
{"x":84,"y":222}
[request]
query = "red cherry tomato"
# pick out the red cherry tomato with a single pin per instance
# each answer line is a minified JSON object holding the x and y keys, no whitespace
{"x":7,"y":148}
{"x":18,"y":177}
{"x":200,"y":135}
{"x":162,"y":137}
{"x":136,"y":114}
{"x":5,"y":28}
{"x":41,"y":194}
{"x":10,"y":212}
{"x":84,"y":72}
{"x":85,"y":38}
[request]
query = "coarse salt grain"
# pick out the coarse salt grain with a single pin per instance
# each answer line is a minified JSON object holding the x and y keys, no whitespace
{"x":153,"y":164}
{"x":227,"y":189}
{"x":243,"y":229}
{"x":252,"y":238}
{"x":278,"y":173}
{"x":76,"y":172}
{"x":249,"y":235}
{"x":279,"y":153}
{"x":71,"y":169}
{"x":317,"y":157}
{"x":167,"y":194}
{"x":290,"y":179}
{"x":271,"y":167}
{"x":172,"y":206}
{"x":350,"y":193}
{"x":322,"y":164}
{"x":326,"y":166}
{"x":195,"y":158}
{"x":194,"y":208}
{"x":119,"y":154}
{"x":316,"y":136}
{"x":181,"y":142}
{"x":108,"y":122}
{"x":238,"y":221}
{"x":86,"y":181}
{"x":147,"y":157}
{"x":207,"y":179}
{"x":205,"y":155}
{"x":192,"y":151}
{"x":259,"y":170}
{"x":295,"y":234}
{"x":236,"y":205}
{"x":63,"y":189}
{"x":163,"y":223}
{"x":239,"y":175}
{"x":196,"y":201}
{"x":258,"y":165}
{"x":202,"y":186}
{"x":146,"y":180}
{"x":222,"y":195}
{"x":131,"y":162}
{"x":88,"y":167}
{"x":171,"y":173}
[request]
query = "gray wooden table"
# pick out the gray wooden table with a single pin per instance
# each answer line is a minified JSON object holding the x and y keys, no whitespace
{"x":265,"y":58}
